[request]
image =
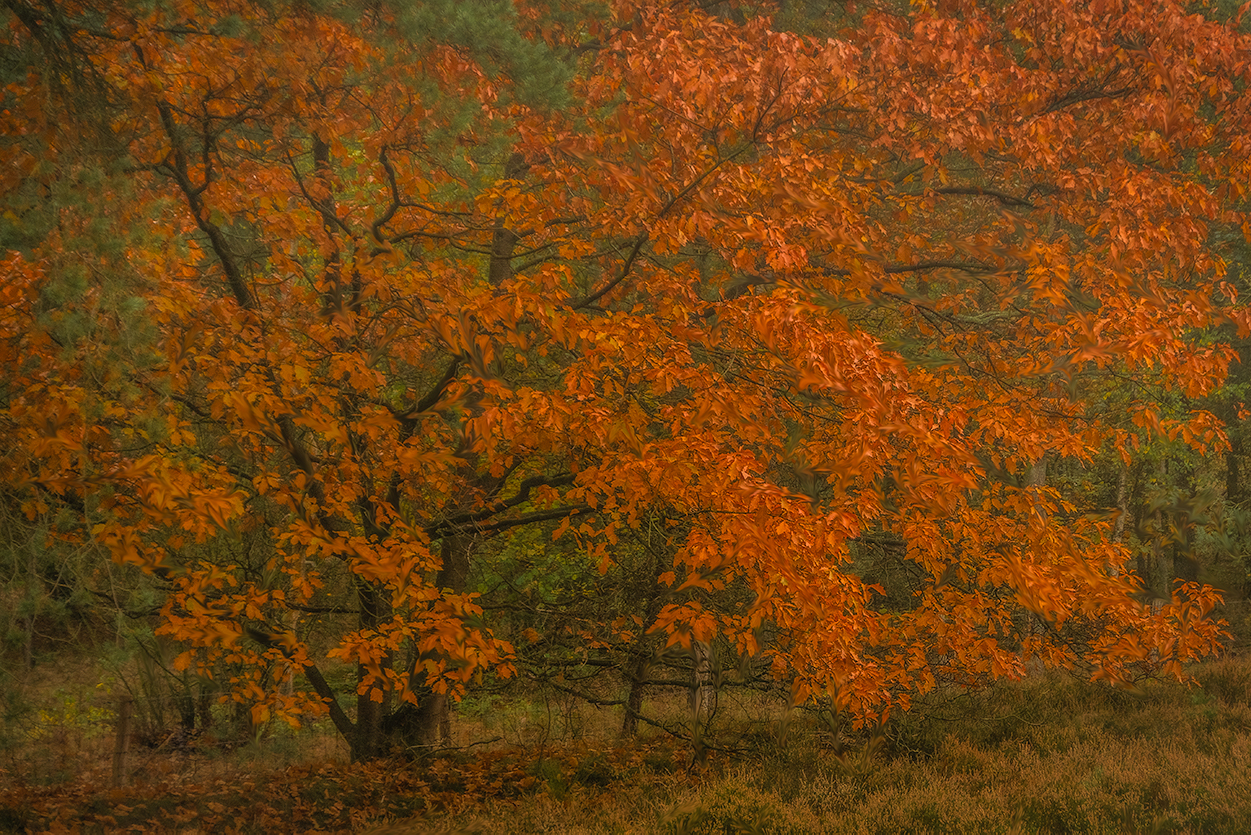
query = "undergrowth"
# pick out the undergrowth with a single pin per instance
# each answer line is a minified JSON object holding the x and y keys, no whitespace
{"x":1046,"y":755}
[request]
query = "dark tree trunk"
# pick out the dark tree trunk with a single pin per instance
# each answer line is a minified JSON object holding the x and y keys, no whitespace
{"x":425,"y":725}
{"x":1185,"y":548}
{"x":1233,"y":478}
{"x":639,"y":663}
{"x":640,"y":670}
{"x":1185,"y":566}
{"x":204,"y":706}
{"x":185,"y":702}
{"x":503,"y":239}
{"x":428,"y":724}
{"x":369,"y":742}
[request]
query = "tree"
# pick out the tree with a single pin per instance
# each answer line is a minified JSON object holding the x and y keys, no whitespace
{"x":779,"y":299}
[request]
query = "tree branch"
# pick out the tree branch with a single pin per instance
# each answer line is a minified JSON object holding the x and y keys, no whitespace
{"x":625,"y":271}
{"x":431,"y":397}
{"x":522,"y":495}
{"x":342,"y":723}
{"x":177,"y":169}
{"x":442,"y":529}
{"x":978,"y":191}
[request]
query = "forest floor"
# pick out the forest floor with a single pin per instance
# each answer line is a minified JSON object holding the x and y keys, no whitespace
{"x":1050,"y":754}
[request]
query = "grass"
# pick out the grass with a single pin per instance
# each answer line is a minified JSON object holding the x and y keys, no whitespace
{"x":1048,"y":755}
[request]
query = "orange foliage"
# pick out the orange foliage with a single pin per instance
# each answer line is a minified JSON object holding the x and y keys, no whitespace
{"x":789,"y":292}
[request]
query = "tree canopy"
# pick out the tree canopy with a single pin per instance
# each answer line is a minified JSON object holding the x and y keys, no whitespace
{"x":677,"y":321}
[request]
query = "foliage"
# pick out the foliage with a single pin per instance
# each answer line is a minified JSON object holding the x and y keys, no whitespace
{"x":353,"y":312}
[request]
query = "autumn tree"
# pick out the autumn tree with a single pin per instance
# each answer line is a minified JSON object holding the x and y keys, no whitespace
{"x":762,"y":293}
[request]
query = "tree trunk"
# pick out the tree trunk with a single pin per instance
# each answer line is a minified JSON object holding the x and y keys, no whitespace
{"x":369,"y":736}
{"x":428,"y":724}
{"x":1122,"y":503}
{"x":703,"y":700}
{"x":1122,"y":510}
{"x":425,"y":725}
{"x":639,"y":673}
{"x":1185,"y":549}
{"x":1138,"y":516}
{"x":640,"y":664}
{"x":1037,"y":474}
{"x":1035,"y":481}
{"x":1161,"y":558}
{"x":1233,"y":478}
{"x":1185,"y":566}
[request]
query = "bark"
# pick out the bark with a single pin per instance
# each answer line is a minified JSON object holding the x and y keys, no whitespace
{"x":428,"y":724}
{"x":703,"y":700}
{"x":1037,"y":474}
{"x":185,"y":704}
{"x":503,"y":239}
{"x":1185,"y":566}
{"x":1122,"y":503}
{"x":456,"y":551}
{"x":1185,"y":555}
{"x":432,"y":718}
{"x":204,"y":706}
{"x":1035,"y":481}
{"x":1233,"y":481}
{"x":639,"y":672}
{"x":369,"y":736}
{"x":641,"y":655}
{"x":1161,"y":557}
{"x":1122,"y":511}
{"x":1138,"y":515}
{"x":1233,"y":476}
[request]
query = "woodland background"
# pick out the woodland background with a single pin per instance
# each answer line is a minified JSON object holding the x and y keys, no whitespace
{"x":561,"y":396}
